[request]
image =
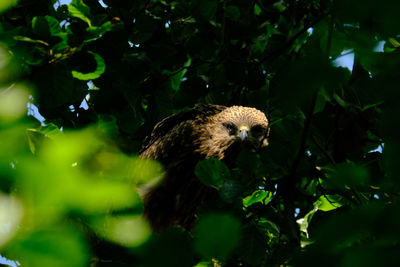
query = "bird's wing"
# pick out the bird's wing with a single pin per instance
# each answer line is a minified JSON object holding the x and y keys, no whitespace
{"x":163,"y":128}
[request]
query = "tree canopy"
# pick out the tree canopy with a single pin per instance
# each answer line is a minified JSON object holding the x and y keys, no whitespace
{"x":324,"y":192}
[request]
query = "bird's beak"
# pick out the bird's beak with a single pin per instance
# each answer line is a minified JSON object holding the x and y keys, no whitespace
{"x":243,"y":133}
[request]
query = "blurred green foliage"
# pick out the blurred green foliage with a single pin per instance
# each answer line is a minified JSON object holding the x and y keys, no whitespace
{"x":216,"y":236}
{"x":324,"y":192}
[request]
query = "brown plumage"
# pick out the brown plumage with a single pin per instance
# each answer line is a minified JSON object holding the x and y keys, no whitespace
{"x":180,"y":141}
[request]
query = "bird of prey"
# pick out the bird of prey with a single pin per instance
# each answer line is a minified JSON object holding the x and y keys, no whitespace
{"x":180,"y":141}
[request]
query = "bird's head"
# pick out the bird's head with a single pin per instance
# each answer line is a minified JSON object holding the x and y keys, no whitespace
{"x":245,"y":126}
{"x":234,"y":128}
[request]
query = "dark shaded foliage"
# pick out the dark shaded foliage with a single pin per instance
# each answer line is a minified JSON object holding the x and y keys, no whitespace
{"x":326,"y":189}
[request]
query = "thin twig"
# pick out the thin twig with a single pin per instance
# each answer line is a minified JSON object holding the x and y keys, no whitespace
{"x":330,"y":34}
{"x":304,"y":136}
{"x":326,"y":154}
{"x":223,"y":25}
{"x":8,"y":88}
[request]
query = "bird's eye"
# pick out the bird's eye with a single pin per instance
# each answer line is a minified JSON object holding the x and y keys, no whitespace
{"x":258,"y":131}
{"x":232,"y":129}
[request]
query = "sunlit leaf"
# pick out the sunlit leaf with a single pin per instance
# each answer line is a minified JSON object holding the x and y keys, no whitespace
{"x":145,"y":170}
{"x":269,"y":227}
{"x":11,"y":212}
{"x":6,"y":4}
{"x":99,"y":197}
{"x":205,"y":264}
{"x":80,"y":10}
{"x":394,"y":42}
{"x":130,"y":231}
{"x":100,"y":69}
{"x":324,"y":203}
{"x":325,"y":74}
{"x":58,"y":246}
{"x":13,"y":102}
{"x":53,"y":195}
{"x":305,"y":221}
{"x":327,"y":203}
{"x":50,"y":130}
{"x":257,"y":197}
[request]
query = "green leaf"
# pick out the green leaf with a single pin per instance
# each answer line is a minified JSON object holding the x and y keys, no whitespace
{"x":129,"y":231}
{"x":205,"y":9}
{"x":305,"y":221}
{"x":324,"y":203}
{"x":257,"y":197}
{"x":34,"y":138}
{"x":212,"y":172}
{"x":349,"y":174}
{"x":40,"y":26}
{"x":230,"y":190}
{"x":10,"y":217}
{"x":322,"y":99}
{"x":257,"y":9}
{"x":100,"y":30}
{"x":13,"y":102}
{"x":6,"y":4}
{"x":339,"y":100}
{"x":232,"y":12}
{"x":144,"y":171}
{"x":65,"y":161}
{"x":29,"y":40}
{"x":54,"y":25}
{"x":60,"y":246}
{"x":47,"y":27}
{"x":248,"y":162}
{"x":327,"y":203}
{"x":37,"y":137}
{"x":145,"y":26}
{"x":176,"y":79}
{"x":50,"y":130}
{"x":205,"y":264}
{"x":252,"y":245}
{"x":280,"y":5}
{"x":58,"y":87}
{"x":216,"y":236}
{"x":268,"y":227}
{"x":100,"y":69}
{"x":394,"y":42}
{"x":171,"y":248}
{"x":80,"y":10}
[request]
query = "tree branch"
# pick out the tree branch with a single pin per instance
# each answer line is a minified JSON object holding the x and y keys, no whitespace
{"x":287,"y":187}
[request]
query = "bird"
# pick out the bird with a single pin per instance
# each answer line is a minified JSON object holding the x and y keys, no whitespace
{"x":182,"y":140}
